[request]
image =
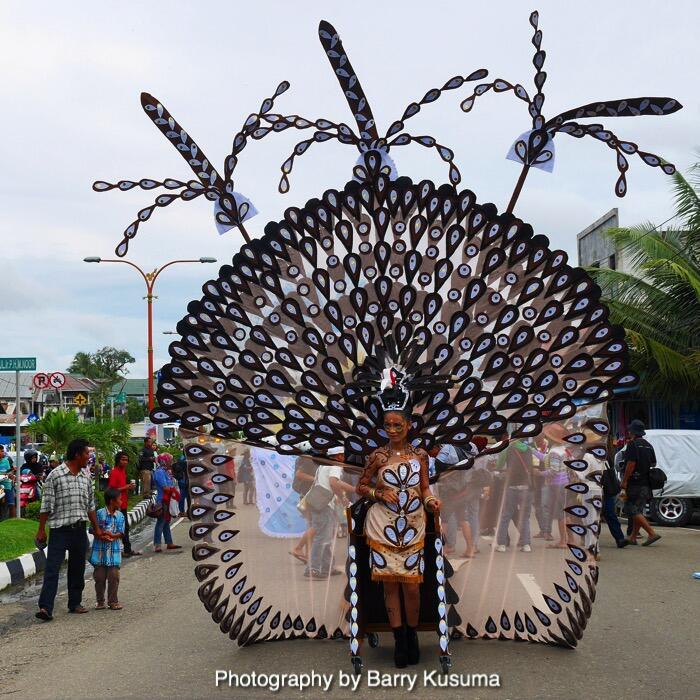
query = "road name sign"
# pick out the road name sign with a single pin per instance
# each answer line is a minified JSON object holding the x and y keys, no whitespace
{"x":17,"y":364}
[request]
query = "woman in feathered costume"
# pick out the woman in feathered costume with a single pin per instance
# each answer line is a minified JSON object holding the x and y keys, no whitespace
{"x":395,"y":524}
{"x":385,"y":318}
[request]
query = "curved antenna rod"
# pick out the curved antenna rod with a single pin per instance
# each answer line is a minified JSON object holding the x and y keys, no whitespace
{"x":349,"y":83}
{"x":249,"y":127}
{"x":162,"y":200}
{"x":429,"y":142}
{"x":144,"y":184}
{"x":303,"y":146}
{"x":621,"y":148}
{"x":432,"y":96}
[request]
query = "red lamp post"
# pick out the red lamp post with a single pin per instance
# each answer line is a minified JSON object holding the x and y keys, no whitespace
{"x":150,"y":279}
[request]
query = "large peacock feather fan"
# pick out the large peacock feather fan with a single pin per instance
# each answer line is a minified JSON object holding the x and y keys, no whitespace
{"x":386,"y":282}
{"x":289,"y":343}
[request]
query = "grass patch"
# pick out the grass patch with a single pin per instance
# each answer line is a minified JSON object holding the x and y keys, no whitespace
{"x":16,"y":537}
{"x":31,"y":510}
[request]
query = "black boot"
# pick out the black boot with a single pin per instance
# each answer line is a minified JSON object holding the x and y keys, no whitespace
{"x":400,"y":653}
{"x":412,"y":648}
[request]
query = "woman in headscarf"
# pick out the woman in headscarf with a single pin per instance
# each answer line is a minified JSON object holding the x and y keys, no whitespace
{"x":166,"y":490}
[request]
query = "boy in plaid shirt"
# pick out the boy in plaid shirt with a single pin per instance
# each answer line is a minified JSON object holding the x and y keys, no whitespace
{"x":106,"y":556}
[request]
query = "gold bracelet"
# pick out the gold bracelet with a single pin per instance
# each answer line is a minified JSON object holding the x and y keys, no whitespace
{"x":428,"y":500}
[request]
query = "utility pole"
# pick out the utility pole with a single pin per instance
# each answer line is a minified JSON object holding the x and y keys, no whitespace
{"x":18,"y":446}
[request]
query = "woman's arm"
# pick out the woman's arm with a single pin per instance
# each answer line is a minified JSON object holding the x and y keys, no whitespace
{"x":372,"y":463}
{"x":431,"y":503}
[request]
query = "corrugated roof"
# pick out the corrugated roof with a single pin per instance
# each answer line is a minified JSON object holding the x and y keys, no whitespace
{"x":130,"y":387}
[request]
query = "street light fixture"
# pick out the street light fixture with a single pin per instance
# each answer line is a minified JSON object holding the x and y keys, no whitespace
{"x":150,"y":279}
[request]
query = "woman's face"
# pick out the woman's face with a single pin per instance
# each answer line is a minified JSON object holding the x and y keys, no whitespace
{"x":396,"y":426}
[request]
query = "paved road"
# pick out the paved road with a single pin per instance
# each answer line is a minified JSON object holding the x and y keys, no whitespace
{"x":642,"y":641}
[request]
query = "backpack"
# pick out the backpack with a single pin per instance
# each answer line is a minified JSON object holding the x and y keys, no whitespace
{"x":657,"y":478}
{"x":609,"y":482}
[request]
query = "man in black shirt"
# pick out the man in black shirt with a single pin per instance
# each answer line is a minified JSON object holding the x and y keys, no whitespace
{"x":147,"y":460}
{"x":635,"y":489}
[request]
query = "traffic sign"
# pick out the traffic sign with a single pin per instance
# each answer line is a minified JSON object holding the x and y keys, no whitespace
{"x":41,"y":380}
{"x":57,"y":380}
{"x":32,"y":418}
{"x":80,"y":399}
{"x":121,"y":398}
{"x":17,"y":364}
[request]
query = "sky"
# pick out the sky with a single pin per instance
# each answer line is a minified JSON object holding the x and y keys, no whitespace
{"x":71,"y":78}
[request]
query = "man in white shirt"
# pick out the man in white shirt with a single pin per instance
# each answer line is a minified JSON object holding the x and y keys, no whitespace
{"x":327,"y":483}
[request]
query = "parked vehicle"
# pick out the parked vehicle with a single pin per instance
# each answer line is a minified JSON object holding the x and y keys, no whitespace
{"x":678,"y":454}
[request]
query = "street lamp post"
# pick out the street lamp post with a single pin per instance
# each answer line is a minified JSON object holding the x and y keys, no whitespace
{"x":150,"y":279}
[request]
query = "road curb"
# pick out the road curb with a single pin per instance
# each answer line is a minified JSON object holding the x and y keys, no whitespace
{"x":17,"y":570}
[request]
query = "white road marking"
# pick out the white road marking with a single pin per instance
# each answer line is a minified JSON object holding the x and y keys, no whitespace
{"x":531,"y":586}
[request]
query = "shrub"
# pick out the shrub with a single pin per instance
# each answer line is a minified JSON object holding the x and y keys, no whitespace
{"x":31,"y":510}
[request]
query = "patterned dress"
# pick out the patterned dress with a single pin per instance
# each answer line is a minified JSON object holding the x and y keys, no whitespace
{"x":395,"y":533}
{"x":106,"y":553}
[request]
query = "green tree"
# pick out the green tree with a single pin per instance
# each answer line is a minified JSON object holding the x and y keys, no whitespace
{"x":58,"y":428}
{"x":107,"y":437}
{"x":106,"y":367}
{"x":136,"y":411}
{"x":82,"y":364}
{"x":659,"y":302}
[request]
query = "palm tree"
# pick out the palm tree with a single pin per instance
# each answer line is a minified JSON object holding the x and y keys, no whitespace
{"x":658,"y":303}
{"x":82,"y":365}
{"x":108,"y":436}
{"x":59,"y":428}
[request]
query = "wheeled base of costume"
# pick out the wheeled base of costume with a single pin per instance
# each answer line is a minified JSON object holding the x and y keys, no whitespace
{"x":367,"y":614}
